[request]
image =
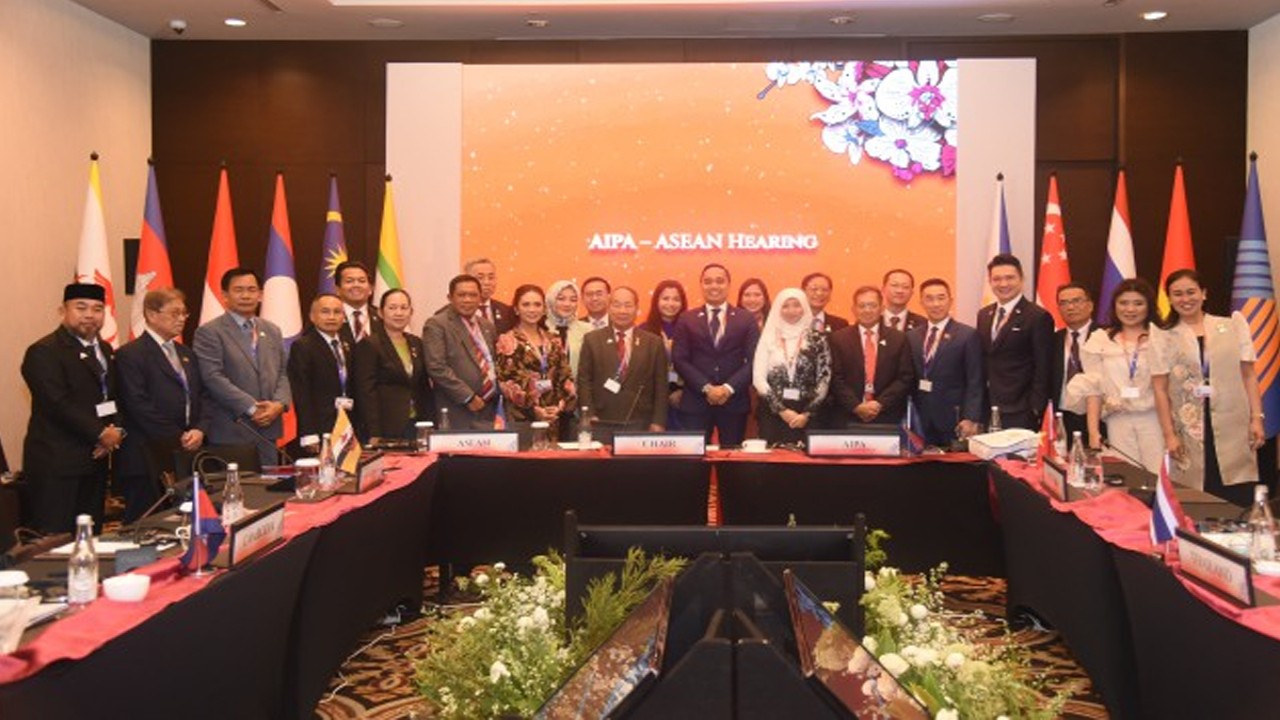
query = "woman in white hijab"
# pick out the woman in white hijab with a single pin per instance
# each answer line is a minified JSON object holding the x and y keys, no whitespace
{"x":792,"y":369}
{"x":562,"y":318}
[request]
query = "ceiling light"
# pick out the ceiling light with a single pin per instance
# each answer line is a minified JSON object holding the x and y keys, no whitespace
{"x":1111,"y":3}
{"x":386,"y":23}
{"x":537,"y":23}
{"x":234,"y":22}
{"x":1154,"y":15}
{"x":842,"y":20}
{"x":998,"y":17}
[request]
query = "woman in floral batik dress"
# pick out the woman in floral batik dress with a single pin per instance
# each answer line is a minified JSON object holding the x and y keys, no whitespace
{"x":792,"y":369}
{"x":533,"y":370}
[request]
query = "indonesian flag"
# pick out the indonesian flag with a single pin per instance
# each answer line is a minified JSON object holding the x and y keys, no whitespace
{"x":93,"y":265}
{"x":222,"y":252}
{"x":1055,"y":271}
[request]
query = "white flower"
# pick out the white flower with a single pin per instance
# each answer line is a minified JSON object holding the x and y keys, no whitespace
{"x":888,"y":572}
{"x":1002,"y":717}
{"x":523,"y":623}
{"x":919,"y":612}
{"x":928,"y":94}
{"x":902,"y":146}
{"x":499,"y":566}
{"x":466,"y":623}
{"x":903,"y":619}
{"x":955,"y":660}
{"x":497,"y":671}
{"x":540,"y":618}
{"x":894,"y":663}
{"x":947,"y":714}
{"x":848,"y":96}
{"x":925,"y":656}
{"x":483,"y":614}
{"x":481,"y":579}
{"x":870,"y":643}
{"x":868,"y":581}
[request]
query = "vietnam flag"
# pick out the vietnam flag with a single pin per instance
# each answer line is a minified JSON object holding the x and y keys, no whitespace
{"x":154,"y":271}
{"x":1055,"y":271}
{"x":93,"y":264}
{"x":222,"y":252}
{"x":1177,"y":240}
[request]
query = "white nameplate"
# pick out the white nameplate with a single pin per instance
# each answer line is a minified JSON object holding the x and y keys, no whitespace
{"x":255,"y":533}
{"x":854,"y":443}
{"x":369,"y":475}
{"x":1217,"y":567}
{"x":1055,"y":478}
{"x":496,"y":442}
{"x":682,"y":444}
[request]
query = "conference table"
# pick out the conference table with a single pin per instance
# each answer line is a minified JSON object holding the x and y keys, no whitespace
{"x":262,"y":641}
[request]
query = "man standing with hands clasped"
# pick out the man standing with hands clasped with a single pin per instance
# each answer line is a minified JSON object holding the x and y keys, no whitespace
{"x":1017,"y":338}
{"x":622,"y":371}
{"x":871,"y":370}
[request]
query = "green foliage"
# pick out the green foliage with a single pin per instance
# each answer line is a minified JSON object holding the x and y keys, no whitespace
{"x":876,"y":556}
{"x":610,"y":599}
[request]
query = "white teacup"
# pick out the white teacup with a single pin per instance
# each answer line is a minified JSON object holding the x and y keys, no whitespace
{"x":755,"y":445}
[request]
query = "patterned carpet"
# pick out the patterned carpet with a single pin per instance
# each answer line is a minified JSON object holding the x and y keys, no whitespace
{"x":376,"y":682}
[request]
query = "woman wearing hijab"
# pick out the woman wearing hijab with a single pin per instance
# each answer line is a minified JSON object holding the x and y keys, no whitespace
{"x":562,"y":319}
{"x":792,"y":369}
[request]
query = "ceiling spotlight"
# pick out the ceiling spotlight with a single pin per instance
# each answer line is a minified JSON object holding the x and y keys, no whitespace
{"x":386,"y":23}
{"x":998,"y":17}
{"x":1154,"y":15}
{"x":537,"y":23}
{"x":842,"y":20}
{"x":234,"y":22}
{"x":1111,"y":3}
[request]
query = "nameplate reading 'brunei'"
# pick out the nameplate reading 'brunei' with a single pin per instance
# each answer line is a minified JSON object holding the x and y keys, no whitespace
{"x":369,"y":475}
{"x":693,"y":444}
{"x":865,"y":442}
{"x":254,"y":534}
{"x":1216,"y":567}
{"x":488,"y":442}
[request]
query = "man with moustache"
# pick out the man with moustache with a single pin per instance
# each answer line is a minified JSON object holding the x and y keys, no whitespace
{"x":871,"y":370}
{"x":622,"y":371}
{"x":459,"y":346}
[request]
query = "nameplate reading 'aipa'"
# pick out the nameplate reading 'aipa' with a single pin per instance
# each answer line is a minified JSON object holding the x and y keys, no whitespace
{"x":484,"y":442}
{"x":1221,"y":570}
{"x":870,"y":442}
{"x":254,"y":534}
{"x":692,"y":444}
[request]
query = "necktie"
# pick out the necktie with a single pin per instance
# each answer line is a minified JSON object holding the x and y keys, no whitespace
{"x":357,"y":325}
{"x":818,"y":324}
{"x":868,"y":364}
{"x":715,"y":326}
{"x":488,"y":312}
{"x":893,"y":321}
{"x":480,"y":347}
{"x":930,"y":347}
{"x":1073,"y":365}
{"x":998,"y":324}
{"x":622,"y":354}
{"x":171,"y":353}
{"x":251,"y":327}
{"x":342,"y":363}
{"x":99,"y":365}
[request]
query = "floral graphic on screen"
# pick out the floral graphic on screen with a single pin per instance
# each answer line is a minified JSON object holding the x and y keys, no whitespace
{"x":902,"y":114}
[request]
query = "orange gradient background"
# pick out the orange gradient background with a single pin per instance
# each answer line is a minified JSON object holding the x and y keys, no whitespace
{"x":553,"y":155}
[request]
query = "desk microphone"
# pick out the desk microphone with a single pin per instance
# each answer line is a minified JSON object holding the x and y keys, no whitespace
{"x":634,"y":402}
{"x":169,"y":492}
{"x":280,"y":453}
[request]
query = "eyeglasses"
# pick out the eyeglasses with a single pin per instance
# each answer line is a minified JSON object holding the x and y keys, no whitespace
{"x":1073,"y":301}
{"x":175,"y":314}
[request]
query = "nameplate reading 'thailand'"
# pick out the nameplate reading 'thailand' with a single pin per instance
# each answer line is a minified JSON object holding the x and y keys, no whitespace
{"x":482,"y":442}
{"x":667,"y":444}
{"x":1217,"y":567}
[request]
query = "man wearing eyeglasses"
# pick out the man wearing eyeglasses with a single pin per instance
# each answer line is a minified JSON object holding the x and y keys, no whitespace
{"x":162,"y":396}
{"x":1076,"y":306}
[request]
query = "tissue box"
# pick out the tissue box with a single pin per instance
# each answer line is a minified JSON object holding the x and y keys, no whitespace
{"x":1004,"y":442}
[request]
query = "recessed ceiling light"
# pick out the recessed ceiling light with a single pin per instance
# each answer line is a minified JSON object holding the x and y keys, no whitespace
{"x":386,"y":23}
{"x":234,"y":22}
{"x":1111,"y":3}
{"x":998,"y":17}
{"x":842,"y":20}
{"x":537,"y":23}
{"x":1154,"y":15}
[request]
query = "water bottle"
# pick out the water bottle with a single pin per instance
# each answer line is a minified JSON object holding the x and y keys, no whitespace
{"x":995,"y":426}
{"x":232,"y":496}
{"x":1075,"y":471}
{"x":82,"y":566}
{"x":444,"y":419}
{"x":328,"y":479}
{"x":584,"y":429}
{"x":1059,"y":437}
{"x":1262,"y":527}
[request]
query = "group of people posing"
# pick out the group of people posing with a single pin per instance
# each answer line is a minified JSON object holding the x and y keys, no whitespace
{"x":768,"y":366}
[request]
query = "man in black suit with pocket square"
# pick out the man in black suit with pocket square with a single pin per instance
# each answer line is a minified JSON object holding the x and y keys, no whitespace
{"x":948,"y":363}
{"x":1017,"y":341}
{"x":319,"y":372}
{"x":871,"y":371}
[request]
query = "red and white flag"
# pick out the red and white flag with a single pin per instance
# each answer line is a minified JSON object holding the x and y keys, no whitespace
{"x":1055,"y":271}
{"x":93,"y":263}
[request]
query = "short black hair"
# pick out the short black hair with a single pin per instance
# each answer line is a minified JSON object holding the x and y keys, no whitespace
{"x":1072,"y":286}
{"x":596,"y":278}
{"x":319,"y":296}
{"x":627,"y":288}
{"x":934,"y":281}
{"x":236,"y":272}
{"x":727,"y":275}
{"x":347,"y":265}
{"x":1005,"y":259}
{"x":460,"y":280}
{"x":904,"y":271}
{"x":383,"y":301}
{"x":804,"y":283}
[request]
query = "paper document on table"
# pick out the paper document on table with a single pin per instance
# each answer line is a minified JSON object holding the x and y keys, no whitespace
{"x":104,"y":548}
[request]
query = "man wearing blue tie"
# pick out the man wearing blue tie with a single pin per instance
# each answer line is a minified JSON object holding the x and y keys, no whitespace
{"x":319,"y":367}
{"x":712,"y":349}
{"x":948,"y":360}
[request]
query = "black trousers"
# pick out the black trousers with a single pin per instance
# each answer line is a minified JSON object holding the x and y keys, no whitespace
{"x":56,"y":500}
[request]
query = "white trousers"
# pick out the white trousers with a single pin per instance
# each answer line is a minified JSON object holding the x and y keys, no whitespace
{"x":1138,"y":435}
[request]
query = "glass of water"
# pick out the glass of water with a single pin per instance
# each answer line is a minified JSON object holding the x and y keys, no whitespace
{"x":306,"y":478}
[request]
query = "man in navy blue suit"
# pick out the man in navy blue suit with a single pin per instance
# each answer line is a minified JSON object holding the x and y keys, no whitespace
{"x":712,"y":349}
{"x":948,"y":360}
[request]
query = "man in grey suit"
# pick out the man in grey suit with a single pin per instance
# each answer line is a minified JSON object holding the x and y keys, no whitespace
{"x":460,"y":358}
{"x":242,"y":365}
{"x":622,"y":371}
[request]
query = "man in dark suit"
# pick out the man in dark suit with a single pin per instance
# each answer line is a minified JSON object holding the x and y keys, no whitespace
{"x":817,"y":287}
{"x":897,"y":287}
{"x":242,"y":365}
{"x":162,"y":399}
{"x":498,"y":313}
{"x":75,"y":424}
{"x":871,"y":370}
{"x":319,"y":368}
{"x":948,"y":364}
{"x":355,"y":288}
{"x":596,"y":292}
{"x":1017,"y":342}
{"x":712,"y":349}
{"x":1076,"y":305}
{"x":460,"y":358}
{"x":622,"y":371}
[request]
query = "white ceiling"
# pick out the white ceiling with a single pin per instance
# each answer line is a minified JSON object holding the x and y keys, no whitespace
{"x":482,"y":20}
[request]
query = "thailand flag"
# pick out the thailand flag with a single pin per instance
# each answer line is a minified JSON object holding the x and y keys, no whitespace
{"x":1166,"y":511}
{"x":153,"y":271}
{"x":1119,"y":264}
{"x":206,"y":529}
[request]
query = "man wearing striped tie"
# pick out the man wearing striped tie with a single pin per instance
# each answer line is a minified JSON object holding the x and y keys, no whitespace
{"x":459,"y":346}
{"x":1017,"y":341}
{"x":948,"y":360}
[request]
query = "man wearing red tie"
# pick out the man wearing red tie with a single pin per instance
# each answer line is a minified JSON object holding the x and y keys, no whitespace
{"x":459,"y":346}
{"x":871,"y":369}
{"x":1017,"y":340}
{"x":500,"y":314}
{"x":622,"y":372}
{"x":355,"y":288}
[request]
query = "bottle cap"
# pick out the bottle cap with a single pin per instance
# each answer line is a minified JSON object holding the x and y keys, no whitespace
{"x":84,"y":519}
{"x":233,"y":467}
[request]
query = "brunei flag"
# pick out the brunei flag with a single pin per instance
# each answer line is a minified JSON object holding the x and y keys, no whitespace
{"x":334,"y":252}
{"x":1253,"y":296}
{"x":153,"y":270}
{"x":344,"y":445}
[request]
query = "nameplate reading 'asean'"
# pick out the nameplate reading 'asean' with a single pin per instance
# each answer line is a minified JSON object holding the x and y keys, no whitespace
{"x":1216,"y":567}
{"x":254,"y":534}
{"x":854,"y":444}
{"x":666,"y":444}
{"x":483,"y":442}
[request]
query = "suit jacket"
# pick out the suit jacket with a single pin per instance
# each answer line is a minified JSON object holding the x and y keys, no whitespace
{"x":914,"y":320}
{"x":504,"y":318}
{"x":643,"y":397}
{"x":700,"y":361}
{"x":314,"y":382}
{"x":1058,"y":365}
{"x":956,"y":374}
{"x":155,"y":403}
{"x":66,"y":389}
{"x":386,"y":396}
{"x":895,"y":374}
{"x":347,"y":335}
{"x":832,"y":323}
{"x":235,"y":379}
{"x":454,"y":371}
{"x":1019,"y":359}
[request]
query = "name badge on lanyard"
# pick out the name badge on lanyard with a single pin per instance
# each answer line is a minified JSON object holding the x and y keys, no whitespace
{"x":926,"y":385}
{"x":791,"y":394}
{"x":612,"y":385}
{"x":343,"y":403}
{"x":106,"y":409}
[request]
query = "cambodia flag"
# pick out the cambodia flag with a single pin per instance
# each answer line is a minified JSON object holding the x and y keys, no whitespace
{"x":912,"y":434}
{"x":334,"y":252}
{"x":206,"y":529}
{"x":154,"y":271}
{"x":280,"y":302}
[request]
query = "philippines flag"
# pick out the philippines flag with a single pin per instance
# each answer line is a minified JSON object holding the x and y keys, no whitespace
{"x":334,"y":252}
{"x":206,"y":529}
{"x":998,"y":243}
{"x":1055,"y":271}
{"x":153,"y":271}
{"x":222,"y":252}
{"x":93,"y":264}
{"x":280,"y":302}
{"x":1166,"y":511}
{"x":1253,"y":296}
{"x":1119,"y":264}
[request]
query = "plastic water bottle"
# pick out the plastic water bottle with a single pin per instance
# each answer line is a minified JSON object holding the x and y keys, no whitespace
{"x":328,"y":479}
{"x":1075,"y":470}
{"x":995,"y":426}
{"x":584,"y":429}
{"x":82,"y":566}
{"x":444,"y":419}
{"x":1059,"y":437}
{"x":1262,"y":526}
{"x":232,"y":496}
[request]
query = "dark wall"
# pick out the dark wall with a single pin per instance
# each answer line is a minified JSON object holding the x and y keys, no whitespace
{"x":315,"y":108}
